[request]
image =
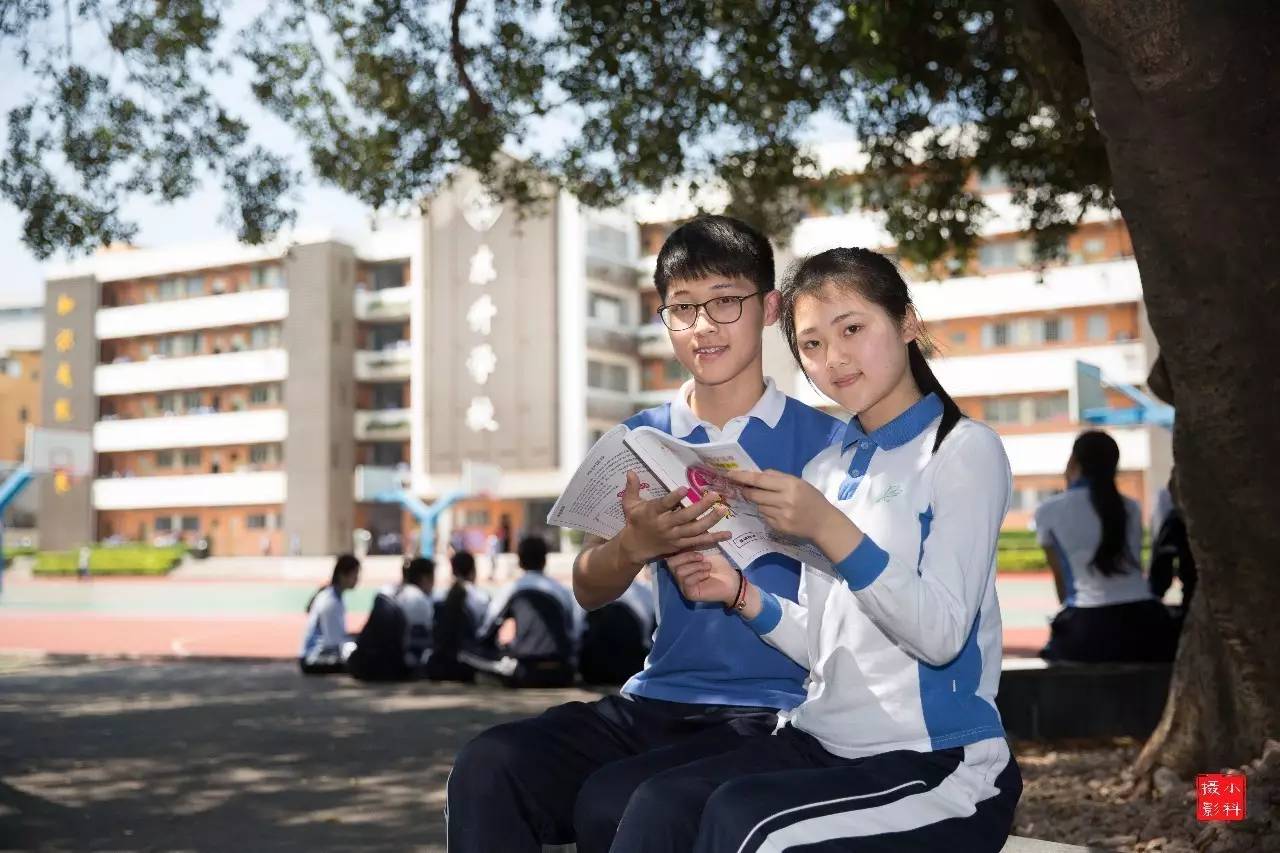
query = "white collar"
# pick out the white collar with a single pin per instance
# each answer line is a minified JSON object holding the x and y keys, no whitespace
{"x":767,"y":409}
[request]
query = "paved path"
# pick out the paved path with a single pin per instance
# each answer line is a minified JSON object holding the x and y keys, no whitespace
{"x":221,"y":756}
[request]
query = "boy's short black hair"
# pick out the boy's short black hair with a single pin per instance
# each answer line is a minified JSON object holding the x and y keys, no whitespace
{"x":419,"y":568}
{"x":532,"y":553}
{"x":715,"y":245}
{"x":463,"y":565}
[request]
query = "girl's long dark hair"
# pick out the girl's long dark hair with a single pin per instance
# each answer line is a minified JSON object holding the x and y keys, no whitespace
{"x":875,"y":278}
{"x":346,"y":563}
{"x":1098,"y":456}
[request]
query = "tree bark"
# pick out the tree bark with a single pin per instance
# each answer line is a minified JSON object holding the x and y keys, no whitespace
{"x":1185,"y":92}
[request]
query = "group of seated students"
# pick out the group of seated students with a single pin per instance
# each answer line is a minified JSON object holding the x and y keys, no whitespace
{"x":531,"y":634}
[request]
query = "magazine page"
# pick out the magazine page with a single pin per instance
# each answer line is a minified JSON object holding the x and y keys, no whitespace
{"x":592,"y":501}
{"x":701,"y":468}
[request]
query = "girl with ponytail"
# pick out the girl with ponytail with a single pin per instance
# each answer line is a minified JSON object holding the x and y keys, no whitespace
{"x":1092,"y":538}
{"x":898,"y":743}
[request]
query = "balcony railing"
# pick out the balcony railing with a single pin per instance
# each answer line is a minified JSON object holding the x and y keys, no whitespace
{"x":391,"y":303}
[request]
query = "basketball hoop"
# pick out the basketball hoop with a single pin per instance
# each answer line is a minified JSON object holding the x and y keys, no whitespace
{"x":65,"y":454}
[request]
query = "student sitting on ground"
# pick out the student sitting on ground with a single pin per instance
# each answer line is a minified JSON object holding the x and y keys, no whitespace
{"x":325,"y":642}
{"x":414,"y":597}
{"x":1092,"y":538}
{"x":532,"y":625}
{"x":396,"y":638}
{"x":457,"y":619}
{"x":618,"y":636}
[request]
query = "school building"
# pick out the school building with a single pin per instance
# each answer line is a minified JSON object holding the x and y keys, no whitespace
{"x":269,"y":398}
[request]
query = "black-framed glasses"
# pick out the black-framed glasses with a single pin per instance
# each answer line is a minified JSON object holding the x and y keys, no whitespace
{"x":679,"y":316}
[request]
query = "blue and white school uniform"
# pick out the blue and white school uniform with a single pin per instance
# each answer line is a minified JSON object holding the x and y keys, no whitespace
{"x":1103,"y":617}
{"x":898,"y":744}
{"x":325,"y":639}
{"x":708,"y":683}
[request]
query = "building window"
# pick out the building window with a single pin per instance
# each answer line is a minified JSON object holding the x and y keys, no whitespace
{"x":190,"y":523}
{"x":1002,"y":410}
{"x":23,"y":415}
{"x":266,"y":276}
{"x":609,"y":310}
{"x":959,"y":338}
{"x":195,"y":285}
{"x":608,"y":377}
{"x":1052,"y":330}
{"x":260,"y":394}
{"x":257,"y":521}
{"x":388,"y":275}
{"x":164,"y":458}
{"x":388,"y":397}
{"x":261,"y":454}
{"x":164,"y":523}
{"x":1094,"y":246}
{"x":192,"y":400}
{"x":261,"y":337}
{"x":1096,"y":327}
{"x":476,"y":518}
{"x":191,"y":458}
{"x":607,"y":240}
{"x":388,"y":453}
{"x":1051,"y":408}
{"x":995,"y":335}
{"x":1005,"y":254}
{"x":673,"y":370}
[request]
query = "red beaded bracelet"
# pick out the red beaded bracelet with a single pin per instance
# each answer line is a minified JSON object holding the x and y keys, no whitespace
{"x":739,"y":600}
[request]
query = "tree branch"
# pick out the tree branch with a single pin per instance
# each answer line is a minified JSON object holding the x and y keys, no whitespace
{"x":458,"y":51}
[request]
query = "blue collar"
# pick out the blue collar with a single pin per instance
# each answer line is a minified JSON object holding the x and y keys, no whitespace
{"x":901,"y":429}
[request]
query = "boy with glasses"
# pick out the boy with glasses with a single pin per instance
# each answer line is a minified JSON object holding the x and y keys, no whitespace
{"x":567,"y":774}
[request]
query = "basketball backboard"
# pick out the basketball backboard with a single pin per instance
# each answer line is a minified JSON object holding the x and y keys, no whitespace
{"x":63,"y":450}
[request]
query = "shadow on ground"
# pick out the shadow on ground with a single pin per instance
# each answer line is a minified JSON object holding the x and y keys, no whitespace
{"x":216,"y":756}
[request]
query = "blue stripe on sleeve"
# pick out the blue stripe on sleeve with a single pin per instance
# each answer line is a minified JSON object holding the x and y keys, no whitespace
{"x":769,"y":616}
{"x":863,"y":565}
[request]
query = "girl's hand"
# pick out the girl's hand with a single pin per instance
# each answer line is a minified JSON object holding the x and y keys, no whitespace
{"x":788,"y":504}
{"x":704,"y":577}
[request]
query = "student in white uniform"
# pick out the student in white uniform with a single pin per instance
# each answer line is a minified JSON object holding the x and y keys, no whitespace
{"x":1092,"y":538}
{"x":414,"y":597}
{"x":898,"y":745}
{"x":326,"y":645}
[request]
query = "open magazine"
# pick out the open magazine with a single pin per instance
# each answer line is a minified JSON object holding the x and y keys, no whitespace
{"x":592,"y":502}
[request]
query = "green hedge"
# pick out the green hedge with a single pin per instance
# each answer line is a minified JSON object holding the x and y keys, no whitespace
{"x":125,"y":560}
{"x":18,"y":551}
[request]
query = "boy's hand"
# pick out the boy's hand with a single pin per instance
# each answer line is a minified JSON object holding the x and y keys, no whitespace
{"x":704,"y":577}
{"x":788,"y":504}
{"x":661,"y":526}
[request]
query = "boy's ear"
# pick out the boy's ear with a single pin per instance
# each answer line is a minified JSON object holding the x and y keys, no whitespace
{"x":772,"y":307}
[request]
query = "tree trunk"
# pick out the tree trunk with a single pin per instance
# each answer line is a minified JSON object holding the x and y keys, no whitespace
{"x":1186,"y":95}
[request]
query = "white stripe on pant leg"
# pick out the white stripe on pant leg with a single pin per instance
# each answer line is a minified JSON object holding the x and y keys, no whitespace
{"x":910,"y":784}
{"x":957,"y":795}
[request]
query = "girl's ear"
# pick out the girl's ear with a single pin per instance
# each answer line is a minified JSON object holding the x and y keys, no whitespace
{"x":772,"y":307}
{"x":912,"y":325}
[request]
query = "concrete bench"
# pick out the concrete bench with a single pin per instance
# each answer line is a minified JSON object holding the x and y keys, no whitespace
{"x":1041,"y":700}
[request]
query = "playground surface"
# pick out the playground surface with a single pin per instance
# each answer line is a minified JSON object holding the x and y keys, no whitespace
{"x":251,"y":608}
{"x":207,"y":755}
